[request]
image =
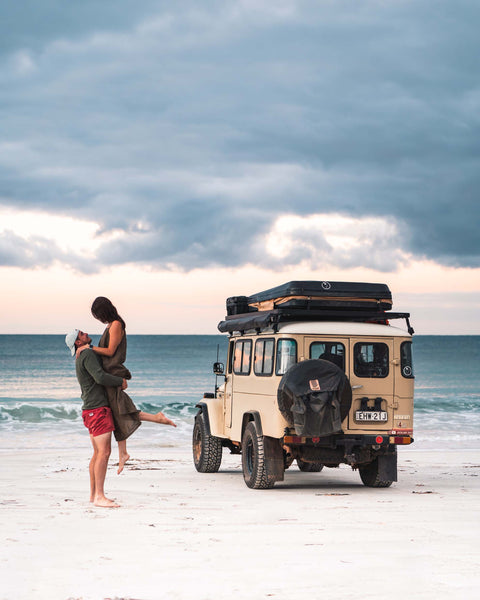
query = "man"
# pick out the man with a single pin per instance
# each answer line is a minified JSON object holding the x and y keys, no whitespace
{"x":96,"y":412}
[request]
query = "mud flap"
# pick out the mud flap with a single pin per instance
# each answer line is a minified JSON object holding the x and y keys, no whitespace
{"x":387,"y":467}
{"x":274,"y":464}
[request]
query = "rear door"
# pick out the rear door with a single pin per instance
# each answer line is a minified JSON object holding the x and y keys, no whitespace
{"x":372,"y":377}
{"x":334,"y":349}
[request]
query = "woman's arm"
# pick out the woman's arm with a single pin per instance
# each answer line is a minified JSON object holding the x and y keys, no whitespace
{"x":116,"y":334}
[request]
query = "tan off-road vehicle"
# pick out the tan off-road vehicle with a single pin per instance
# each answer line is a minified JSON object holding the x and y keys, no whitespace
{"x":315,"y":374}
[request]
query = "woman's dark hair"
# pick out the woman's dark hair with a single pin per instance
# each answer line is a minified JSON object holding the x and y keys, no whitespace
{"x":104,"y":311}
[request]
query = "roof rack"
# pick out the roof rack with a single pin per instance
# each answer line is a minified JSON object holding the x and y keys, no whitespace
{"x":270,"y":319}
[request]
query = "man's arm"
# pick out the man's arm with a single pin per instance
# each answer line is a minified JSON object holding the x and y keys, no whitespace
{"x":100,"y":376}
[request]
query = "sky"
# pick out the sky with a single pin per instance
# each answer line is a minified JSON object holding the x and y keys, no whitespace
{"x":171,"y":154}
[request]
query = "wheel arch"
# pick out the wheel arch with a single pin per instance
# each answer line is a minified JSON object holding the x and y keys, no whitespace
{"x":203,"y":409}
{"x":252,"y":415}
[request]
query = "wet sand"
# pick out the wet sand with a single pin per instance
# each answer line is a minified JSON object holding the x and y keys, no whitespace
{"x":181,"y":535}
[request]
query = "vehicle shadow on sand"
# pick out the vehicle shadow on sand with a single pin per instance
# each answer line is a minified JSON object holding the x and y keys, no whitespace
{"x":323,"y":482}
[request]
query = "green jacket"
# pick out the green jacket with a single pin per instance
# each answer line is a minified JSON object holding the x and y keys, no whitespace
{"x":92,"y":379}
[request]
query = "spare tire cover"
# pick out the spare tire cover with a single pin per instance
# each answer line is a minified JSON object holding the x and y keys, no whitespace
{"x":314,"y":396}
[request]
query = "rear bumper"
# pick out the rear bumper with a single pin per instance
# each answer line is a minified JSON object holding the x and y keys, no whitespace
{"x":391,"y":438}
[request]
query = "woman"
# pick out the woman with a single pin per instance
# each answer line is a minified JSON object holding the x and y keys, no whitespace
{"x":112,"y":347}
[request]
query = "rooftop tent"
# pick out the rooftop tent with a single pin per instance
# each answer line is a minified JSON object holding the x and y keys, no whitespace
{"x":315,"y":294}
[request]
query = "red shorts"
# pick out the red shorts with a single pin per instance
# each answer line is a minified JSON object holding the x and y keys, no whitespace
{"x":98,"y":420}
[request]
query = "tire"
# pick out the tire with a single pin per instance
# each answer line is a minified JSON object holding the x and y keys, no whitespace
{"x":369,"y":476}
{"x":207,"y":449}
{"x":253,"y":460}
{"x":287,"y":461}
{"x":307,"y":467}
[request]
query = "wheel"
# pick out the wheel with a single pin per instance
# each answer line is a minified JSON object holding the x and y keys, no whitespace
{"x":253,"y":460}
{"x":287,"y":460}
{"x":309,"y":467}
{"x":207,"y":449}
{"x":369,"y":476}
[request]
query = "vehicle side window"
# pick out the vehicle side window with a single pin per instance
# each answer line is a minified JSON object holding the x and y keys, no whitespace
{"x":263,"y":361}
{"x":334,"y":352}
{"x":370,"y":359}
{"x":286,"y":355}
{"x":230,"y":356}
{"x":406,"y":362}
{"x":241,"y":358}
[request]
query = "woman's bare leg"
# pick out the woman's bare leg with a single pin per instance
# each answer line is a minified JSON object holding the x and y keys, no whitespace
{"x":123,"y":455}
{"x":157,"y":418}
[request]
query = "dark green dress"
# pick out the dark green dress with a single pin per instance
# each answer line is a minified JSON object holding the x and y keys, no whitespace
{"x":125,"y":413}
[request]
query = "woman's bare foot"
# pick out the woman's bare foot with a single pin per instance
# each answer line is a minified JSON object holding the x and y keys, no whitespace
{"x":104,"y":502}
{"x":122,"y":459}
{"x":163,"y":420}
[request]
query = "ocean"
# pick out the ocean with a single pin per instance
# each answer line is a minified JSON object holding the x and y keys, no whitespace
{"x":40,"y":405}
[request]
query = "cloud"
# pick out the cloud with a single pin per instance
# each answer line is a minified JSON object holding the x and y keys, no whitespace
{"x":334,"y":239}
{"x":187,"y":131}
{"x":34,"y":24}
{"x":15,"y":251}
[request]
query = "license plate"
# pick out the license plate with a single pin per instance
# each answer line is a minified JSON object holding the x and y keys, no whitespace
{"x":371,"y":415}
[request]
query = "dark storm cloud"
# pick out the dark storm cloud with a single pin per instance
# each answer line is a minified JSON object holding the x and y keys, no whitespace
{"x":34,"y":23}
{"x":193,"y":127}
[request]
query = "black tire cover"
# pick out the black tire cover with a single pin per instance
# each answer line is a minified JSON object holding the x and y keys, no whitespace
{"x":313,"y":377}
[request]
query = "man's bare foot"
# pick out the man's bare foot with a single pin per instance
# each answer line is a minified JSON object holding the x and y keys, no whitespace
{"x":92,"y":499}
{"x":122,"y":459}
{"x":163,"y":420}
{"x":105,"y":503}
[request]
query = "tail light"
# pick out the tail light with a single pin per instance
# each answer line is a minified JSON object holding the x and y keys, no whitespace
{"x":401,"y":440}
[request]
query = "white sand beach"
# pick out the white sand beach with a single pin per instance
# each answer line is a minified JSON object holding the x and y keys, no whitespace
{"x":180,"y":534}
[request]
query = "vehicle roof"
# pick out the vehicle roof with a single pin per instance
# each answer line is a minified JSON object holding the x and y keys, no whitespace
{"x":341,"y":328}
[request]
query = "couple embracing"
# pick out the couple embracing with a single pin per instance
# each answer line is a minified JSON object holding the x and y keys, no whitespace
{"x":103,"y":377}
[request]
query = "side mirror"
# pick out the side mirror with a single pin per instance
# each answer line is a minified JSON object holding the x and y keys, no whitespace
{"x":218,"y":368}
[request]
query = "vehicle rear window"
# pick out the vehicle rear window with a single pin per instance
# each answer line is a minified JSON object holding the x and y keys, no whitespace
{"x":406,"y":362}
{"x":370,"y":359}
{"x":286,"y":355}
{"x":334,"y":352}
{"x":263,"y":360}
{"x":241,"y":358}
